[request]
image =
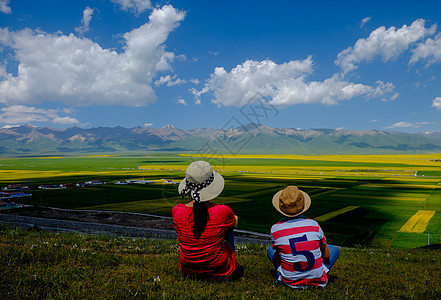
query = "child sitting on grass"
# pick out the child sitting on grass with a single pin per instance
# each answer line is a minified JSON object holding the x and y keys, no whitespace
{"x":298,"y":250}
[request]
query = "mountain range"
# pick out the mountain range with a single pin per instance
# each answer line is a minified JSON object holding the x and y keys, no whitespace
{"x":250,"y":138}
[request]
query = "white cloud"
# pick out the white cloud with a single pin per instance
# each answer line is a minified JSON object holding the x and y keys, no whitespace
{"x":388,"y":44}
{"x":135,"y":6}
{"x":181,"y":101}
{"x":87,"y":17}
{"x":197,"y":93}
{"x":65,"y":120}
{"x":285,"y":84}
{"x":407,"y":125}
{"x":169,"y":81}
{"x":364,"y":21}
{"x":394,"y":96}
{"x":195,"y":81}
{"x":79,"y":72}
{"x":4,"y":8}
{"x":436,"y":103}
{"x":20,"y":114}
{"x":429,"y":50}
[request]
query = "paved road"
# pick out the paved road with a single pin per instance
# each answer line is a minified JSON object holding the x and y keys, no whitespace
{"x":105,"y":229}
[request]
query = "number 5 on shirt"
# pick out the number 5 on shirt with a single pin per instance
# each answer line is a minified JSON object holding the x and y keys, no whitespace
{"x":310,"y":260}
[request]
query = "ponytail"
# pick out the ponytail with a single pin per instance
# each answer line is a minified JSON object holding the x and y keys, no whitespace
{"x":201,"y":217}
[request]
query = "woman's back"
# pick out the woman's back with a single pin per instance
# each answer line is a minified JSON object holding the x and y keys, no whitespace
{"x":206,"y":255}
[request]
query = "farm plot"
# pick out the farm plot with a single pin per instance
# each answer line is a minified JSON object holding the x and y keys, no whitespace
{"x":358,"y":200}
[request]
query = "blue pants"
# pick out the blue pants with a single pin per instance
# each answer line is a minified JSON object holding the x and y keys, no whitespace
{"x":274,"y":256}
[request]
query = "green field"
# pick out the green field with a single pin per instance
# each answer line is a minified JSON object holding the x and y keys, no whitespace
{"x":359,"y":200}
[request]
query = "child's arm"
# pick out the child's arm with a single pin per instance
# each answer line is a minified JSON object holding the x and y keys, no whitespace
{"x":325,"y":251}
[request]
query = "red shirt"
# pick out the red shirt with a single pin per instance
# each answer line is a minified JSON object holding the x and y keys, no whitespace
{"x":209,"y":255}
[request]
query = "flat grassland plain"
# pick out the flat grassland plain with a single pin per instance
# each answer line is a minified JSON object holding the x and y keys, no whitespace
{"x":359,"y":200}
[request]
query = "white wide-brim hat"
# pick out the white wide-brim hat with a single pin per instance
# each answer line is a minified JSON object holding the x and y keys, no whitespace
{"x":291,"y":201}
{"x":199,"y":173}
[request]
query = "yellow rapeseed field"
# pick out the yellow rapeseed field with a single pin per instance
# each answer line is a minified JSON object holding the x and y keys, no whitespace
{"x":412,"y":159}
{"x":418,"y":223}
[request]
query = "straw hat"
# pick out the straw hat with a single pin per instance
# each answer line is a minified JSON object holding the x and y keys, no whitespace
{"x":201,"y":181}
{"x":291,"y":201}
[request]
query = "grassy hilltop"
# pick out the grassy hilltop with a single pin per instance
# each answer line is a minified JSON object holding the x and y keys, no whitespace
{"x":41,"y":265}
{"x":384,"y":208}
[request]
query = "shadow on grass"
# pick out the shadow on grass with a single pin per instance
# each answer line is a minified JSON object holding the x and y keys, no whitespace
{"x":355,"y":228}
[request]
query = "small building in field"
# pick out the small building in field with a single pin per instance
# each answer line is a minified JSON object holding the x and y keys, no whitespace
{"x":50,"y":187}
{"x":94,"y":182}
{"x":15,"y":187}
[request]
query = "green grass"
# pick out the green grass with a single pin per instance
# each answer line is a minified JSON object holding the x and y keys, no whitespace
{"x":41,"y":265}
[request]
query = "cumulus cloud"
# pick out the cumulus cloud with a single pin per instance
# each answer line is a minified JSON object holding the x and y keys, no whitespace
{"x":4,"y":8}
{"x":87,"y":17}
{"x":78,"y":71}
{"x":436,"y":103}
{"x":135,"y":6}
{"x":407,"y":125}
{"x":385,"y":43}
{"x":20,"y":114}
{"x":169,"y":81}
{"x":429,"y":50}
{"x":181,"y":101}
{"x":285,"y":84}
{"x":364,"y":21}
{"x":64,"y":120}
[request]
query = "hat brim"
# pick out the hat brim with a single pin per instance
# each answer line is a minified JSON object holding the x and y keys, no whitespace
{"x":211,"y":191}
{"x":305,"y":207}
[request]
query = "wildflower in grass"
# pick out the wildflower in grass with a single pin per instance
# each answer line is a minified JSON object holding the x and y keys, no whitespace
{"x":157,"y":279}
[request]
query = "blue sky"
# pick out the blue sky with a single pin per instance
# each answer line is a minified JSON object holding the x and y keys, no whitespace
{"x":319,"y":64}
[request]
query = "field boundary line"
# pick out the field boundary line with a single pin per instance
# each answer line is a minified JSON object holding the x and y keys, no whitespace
{"x":418,"y":222}
{"x":335,"y":213}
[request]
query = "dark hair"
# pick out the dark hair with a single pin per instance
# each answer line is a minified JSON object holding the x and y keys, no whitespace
{"x":201,"y":217}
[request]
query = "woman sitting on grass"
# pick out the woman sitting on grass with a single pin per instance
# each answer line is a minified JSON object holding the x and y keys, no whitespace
{"x":203,"y":227}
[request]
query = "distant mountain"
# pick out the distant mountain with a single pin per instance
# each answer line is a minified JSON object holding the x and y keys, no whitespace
{"x":250,"y":138}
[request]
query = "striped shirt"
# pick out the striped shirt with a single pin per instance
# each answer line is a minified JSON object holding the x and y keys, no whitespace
{"x":298,"y":241}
